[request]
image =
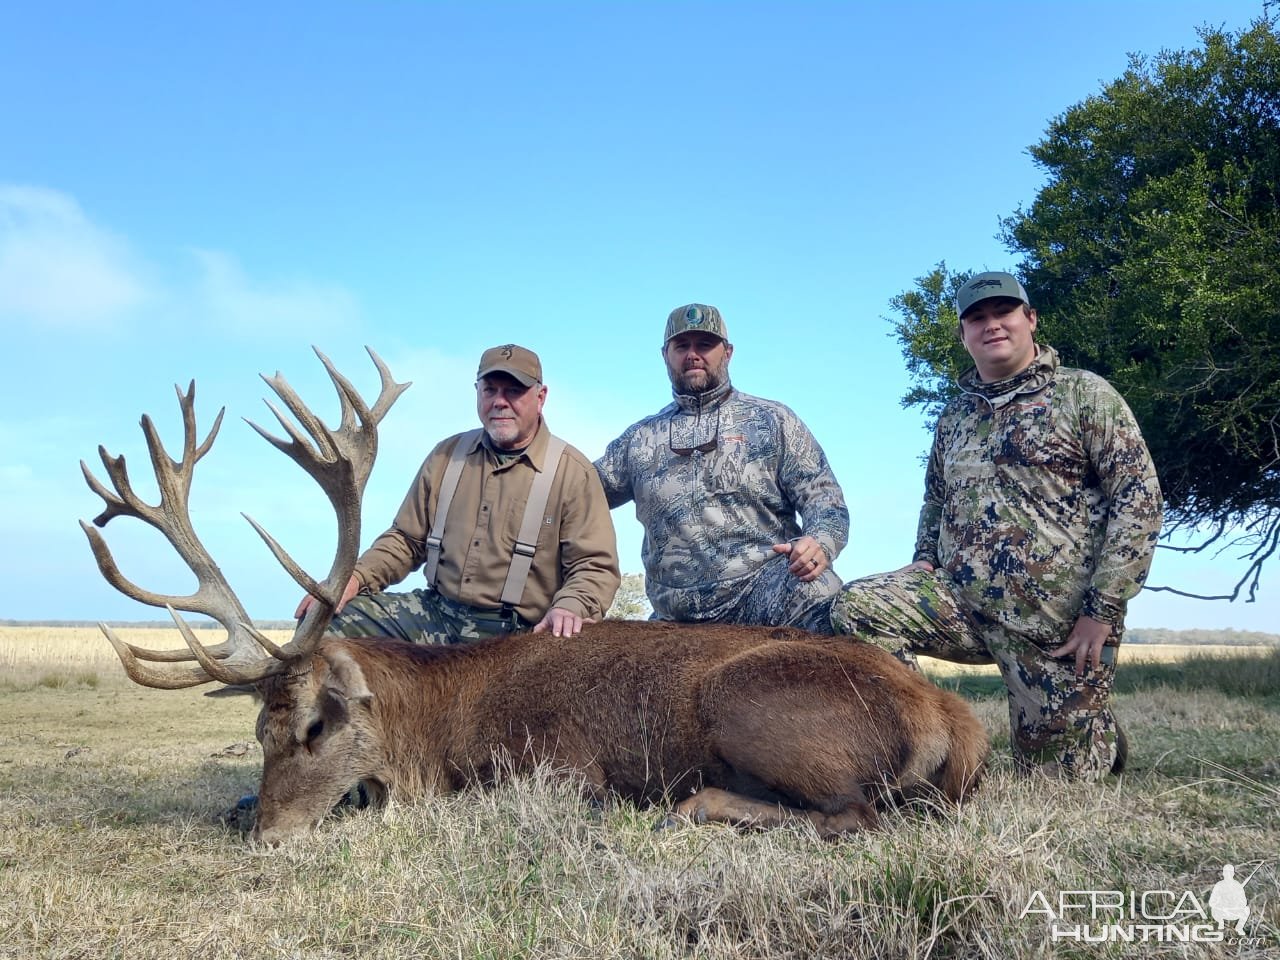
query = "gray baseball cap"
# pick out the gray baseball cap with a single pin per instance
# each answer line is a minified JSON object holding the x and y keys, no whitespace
{"x":695,"y":318}
{"x":984,"y":286}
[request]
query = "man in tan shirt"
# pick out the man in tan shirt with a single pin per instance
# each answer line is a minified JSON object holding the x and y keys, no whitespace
{"x":574,"y":570}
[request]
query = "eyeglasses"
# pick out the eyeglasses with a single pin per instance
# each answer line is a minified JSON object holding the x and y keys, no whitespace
{"x":700,"y":448}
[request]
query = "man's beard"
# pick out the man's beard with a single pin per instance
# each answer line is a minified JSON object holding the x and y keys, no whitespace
{"x":683,"y":381}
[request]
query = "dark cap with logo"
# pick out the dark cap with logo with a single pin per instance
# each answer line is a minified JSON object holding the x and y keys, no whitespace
{"x":984,"y":286}
{"x":695,"y":318}
{"x":514,"y":361}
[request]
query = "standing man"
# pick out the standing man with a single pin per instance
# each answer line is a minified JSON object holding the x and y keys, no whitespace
{"x":492,"y":566}
{"x":741,"y":512}
{"x":1040,"y":517}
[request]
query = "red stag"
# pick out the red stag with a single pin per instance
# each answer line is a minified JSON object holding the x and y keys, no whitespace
{"x":750,"y":725}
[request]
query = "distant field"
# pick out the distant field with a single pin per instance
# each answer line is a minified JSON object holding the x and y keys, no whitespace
{"x":1132,"y":653}
{"x":26,"y":652}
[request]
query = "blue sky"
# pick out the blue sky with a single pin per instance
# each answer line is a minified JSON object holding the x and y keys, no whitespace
{"x":204,"y":191}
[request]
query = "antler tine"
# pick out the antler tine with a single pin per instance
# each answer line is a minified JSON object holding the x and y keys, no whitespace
{"x":390,"y":392}
{"x":297,"y":446}
{"x":320,"y":434}
{"x":124,"y":502}
{"x":115,"y":506}
{"x":291,"y":566}
{"x":234,"y":673}
{"x":167,"y":679}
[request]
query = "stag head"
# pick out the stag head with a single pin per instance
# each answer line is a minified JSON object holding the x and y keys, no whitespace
{"x":309,"y":695}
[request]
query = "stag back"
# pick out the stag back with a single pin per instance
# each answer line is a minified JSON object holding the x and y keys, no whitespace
{"x":339,"y":459}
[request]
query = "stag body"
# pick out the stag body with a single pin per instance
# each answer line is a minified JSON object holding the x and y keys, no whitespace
{"x":762,"y":724}
{"x":778,"y":722}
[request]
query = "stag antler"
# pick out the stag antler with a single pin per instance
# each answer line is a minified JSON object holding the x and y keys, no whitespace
{"x":339,"y":460}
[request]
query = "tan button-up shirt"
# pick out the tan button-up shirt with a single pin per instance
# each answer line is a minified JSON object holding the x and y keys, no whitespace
{"x":575,"y":563}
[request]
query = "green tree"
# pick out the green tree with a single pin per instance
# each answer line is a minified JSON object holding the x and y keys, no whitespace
{"x":1152,"y":254}
{"x":631,"y":602}
{"x":928,"y":330}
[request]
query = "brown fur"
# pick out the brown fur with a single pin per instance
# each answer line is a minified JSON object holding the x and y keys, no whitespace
{"x":760,"y":724}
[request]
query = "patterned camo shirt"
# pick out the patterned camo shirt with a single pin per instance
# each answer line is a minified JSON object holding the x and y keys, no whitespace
{"x":1041,"y":500}
{"x":717,"y":480}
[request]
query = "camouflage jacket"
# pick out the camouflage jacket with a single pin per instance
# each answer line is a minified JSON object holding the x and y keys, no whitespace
{"x":717,"y":480}
{"x":1041,"y":500}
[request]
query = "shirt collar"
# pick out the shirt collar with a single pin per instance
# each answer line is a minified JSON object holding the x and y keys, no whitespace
{"x":1031,"y":378}
{"x":701,"y":402}
{"x":535,"y":452}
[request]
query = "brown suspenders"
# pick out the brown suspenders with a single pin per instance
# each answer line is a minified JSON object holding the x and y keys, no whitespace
{"x":448,"y":485}
{"x":526,"y":541}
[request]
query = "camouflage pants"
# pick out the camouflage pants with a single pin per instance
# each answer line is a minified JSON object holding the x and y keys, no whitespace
{"x":1059,"y":723}
{"x":421,"y":616}
{"x":775,"y":598}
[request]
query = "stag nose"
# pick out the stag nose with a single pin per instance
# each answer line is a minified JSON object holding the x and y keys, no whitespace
{"x":271,"y":836}
{"x":274,"y":834}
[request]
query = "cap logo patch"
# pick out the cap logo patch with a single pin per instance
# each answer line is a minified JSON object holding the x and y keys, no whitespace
{"x":693,"y":316}
{"x":989,"y":282}
{"x":507,"y":350}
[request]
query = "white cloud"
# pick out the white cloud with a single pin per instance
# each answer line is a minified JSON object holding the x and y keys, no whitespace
{"x":59,"y":269}
{"x":234,"y":303}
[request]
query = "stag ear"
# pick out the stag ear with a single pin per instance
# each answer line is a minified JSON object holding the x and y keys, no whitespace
{"x":345,"y":676}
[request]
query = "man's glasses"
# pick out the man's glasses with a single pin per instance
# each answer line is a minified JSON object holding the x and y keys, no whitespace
{"x":700,"y":448}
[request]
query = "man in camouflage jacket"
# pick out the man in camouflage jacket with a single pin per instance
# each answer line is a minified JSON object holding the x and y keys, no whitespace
{"x":741,"y":512}
{"x":1040,"y":518}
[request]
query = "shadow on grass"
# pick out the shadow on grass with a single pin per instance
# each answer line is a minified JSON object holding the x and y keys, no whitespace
{"x":1247,"y":675}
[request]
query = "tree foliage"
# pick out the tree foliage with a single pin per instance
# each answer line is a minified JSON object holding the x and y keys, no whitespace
{"x":1152,"y":254}
{"x":631,"y":602}
{"x":928,"y":329}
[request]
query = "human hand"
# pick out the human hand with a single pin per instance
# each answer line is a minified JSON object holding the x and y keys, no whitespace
{"x":808,"y":559}
{"x":561,"y":623}
{"x":351,"y":589}
{"x":924,"y":565}
{"x":1086,"y":641}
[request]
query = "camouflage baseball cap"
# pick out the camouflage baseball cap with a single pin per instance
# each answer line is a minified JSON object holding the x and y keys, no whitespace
{"x":518,"y":362}
{"x":984,"y":286}
{"x":695,"y":318}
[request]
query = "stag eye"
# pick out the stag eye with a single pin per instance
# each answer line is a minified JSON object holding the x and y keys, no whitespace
{"x":314,"y":731}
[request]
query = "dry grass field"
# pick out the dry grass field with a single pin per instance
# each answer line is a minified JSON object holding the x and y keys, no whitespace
{"x":109,"y":844}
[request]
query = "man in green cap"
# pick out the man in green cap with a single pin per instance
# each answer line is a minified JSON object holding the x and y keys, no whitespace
{"x":1040,"y":518}
{"x":741,"y":512}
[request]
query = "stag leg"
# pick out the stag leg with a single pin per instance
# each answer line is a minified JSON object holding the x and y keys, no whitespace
{"x":713,"y":805}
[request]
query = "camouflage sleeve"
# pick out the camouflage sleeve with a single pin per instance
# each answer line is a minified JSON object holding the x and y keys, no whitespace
{"x":1128,"y":481}
{"x":929,"y":527}
{"x":809,"y":483}
{"x":614,"y":471}
{"x":588,"y":547}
